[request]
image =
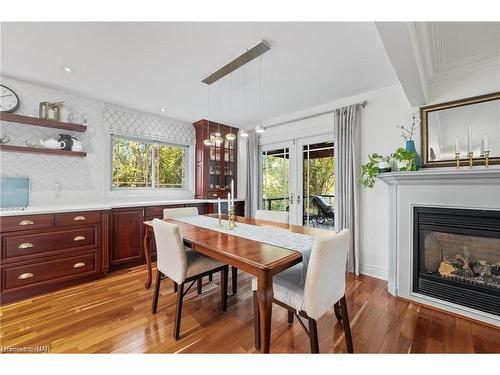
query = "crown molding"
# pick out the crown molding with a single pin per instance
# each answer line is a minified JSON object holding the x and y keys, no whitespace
{"x":432,"y":51}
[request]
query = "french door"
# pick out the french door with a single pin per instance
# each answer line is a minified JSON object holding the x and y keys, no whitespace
{"x":298,"y":177}
{"x":277,"y":164}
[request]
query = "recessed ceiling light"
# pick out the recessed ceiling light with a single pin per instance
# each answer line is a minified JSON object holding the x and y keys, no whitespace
{"x":67,"y":69}
{"x":163,"y":110}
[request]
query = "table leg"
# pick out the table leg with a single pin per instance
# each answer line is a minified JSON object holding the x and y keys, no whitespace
{"x":265,"y":298}
{"x":147,"y":236}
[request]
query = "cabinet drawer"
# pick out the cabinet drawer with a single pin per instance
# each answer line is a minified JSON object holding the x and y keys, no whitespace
{"x":26,"y":222}
{"x":157,"y":211}
{"x":46,"y":271}
{"x":23,"y":245}
{"x":78,"y":218}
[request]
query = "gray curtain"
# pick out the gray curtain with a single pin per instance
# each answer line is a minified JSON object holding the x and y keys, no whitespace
{"x":252,"y":170}
{"x":347,"y":164}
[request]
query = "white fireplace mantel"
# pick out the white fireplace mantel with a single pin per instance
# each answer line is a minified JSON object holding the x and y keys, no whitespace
{"x":466,"y":188}
{"x":464,"y":175}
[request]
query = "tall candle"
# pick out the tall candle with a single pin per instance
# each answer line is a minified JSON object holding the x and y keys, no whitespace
{"x":232,"y":191}
{"x":456,"y":146}
{"x":228,"y":199}
{"x":486,"y":142}
{"x":218,"y":206}
{"x":469,"y":141}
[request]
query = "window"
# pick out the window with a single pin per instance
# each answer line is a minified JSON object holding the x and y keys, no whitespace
{"x":140,"y":163}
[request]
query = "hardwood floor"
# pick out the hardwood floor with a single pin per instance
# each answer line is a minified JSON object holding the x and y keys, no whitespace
{"x":114,"y":315}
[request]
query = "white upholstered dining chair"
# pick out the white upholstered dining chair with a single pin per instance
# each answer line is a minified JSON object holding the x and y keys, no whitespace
{"x":182,"y":265}
{"x":276,"y":216}
{"x":174,"y":213}
{"x":324,"y":287}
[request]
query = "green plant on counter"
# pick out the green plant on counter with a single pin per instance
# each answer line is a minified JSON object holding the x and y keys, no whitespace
{"x":405,"y":159}
{"x":370,"y":170}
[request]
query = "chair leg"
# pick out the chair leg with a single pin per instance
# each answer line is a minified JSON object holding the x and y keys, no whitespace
{"x":156,"y":292}
{"x":178,"y":311}
{"x":338,"y":311}
{"x":198,"y":285}
{"x":234,"y":277}
{"x":223,"y":288}
{"x":256,"y":320}
{"x":347,"y":325}
{"x":290,"y":317}
{"x":175,"y":287}
{"x":210,"y":278}
{"x":313,"y":335}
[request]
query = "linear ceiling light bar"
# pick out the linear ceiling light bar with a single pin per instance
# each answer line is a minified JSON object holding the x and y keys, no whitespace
{"x":238,"y":62}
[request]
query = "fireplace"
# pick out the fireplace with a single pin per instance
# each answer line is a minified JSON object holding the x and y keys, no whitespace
{"x":456,"y":256}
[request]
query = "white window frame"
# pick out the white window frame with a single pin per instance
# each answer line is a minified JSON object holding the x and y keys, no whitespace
{"x":155,"y":142}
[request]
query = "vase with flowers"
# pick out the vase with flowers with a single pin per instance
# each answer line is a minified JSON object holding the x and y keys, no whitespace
{"x":408,"y":134}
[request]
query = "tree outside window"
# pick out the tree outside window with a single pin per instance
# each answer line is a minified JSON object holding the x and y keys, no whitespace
{"x":147,"y":164}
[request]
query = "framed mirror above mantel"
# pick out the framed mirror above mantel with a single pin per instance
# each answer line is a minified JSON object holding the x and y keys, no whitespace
{"x":460,"y":127}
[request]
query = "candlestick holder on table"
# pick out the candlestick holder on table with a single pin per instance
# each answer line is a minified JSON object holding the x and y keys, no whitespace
{"x":470,"y":155}
{"x":231,"y":216}
{"x":486,"y":159}
{"x":457,"y":158}
{"x":219,"y":224}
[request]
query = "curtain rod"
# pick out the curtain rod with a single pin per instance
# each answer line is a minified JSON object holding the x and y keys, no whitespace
{"x":363,"y":104}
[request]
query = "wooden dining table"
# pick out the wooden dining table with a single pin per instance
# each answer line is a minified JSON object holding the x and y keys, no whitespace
{"x":257,"y":258}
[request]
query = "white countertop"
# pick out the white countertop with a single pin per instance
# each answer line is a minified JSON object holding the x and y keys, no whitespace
{"x":95,"y":206}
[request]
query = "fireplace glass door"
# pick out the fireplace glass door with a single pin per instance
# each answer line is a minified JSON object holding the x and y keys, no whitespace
{"x":457,"y":256}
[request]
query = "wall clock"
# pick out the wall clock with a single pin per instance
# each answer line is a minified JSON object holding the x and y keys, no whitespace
{"x":9,"y":102}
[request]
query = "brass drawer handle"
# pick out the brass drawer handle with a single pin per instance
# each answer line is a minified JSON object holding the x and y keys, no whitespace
{"x":78,"y":265}
{"x":27,"y":222}
{"x":79,"y":238}
{"x":79,"y":218}
{"x":25,"y":276}
{"x":26,"y":245}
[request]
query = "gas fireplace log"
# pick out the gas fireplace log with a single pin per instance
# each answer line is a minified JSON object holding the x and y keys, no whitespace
{"x":465,"y":261}
{"x":446,"y":269}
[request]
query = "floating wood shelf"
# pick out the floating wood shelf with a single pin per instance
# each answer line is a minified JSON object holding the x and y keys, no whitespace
{"x":28,"y":120}
{"x":40,"y":150}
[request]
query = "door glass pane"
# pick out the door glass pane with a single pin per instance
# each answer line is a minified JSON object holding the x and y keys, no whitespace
{"x":275,"y":168}
{"x":318,"y":185}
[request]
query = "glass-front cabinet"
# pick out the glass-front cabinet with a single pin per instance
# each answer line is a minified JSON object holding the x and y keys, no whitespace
{"x":216,"y":164}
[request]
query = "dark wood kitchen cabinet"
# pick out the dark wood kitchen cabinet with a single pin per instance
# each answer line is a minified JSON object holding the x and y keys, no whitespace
{"x":215,"y":165}
{"x":41,"y":253}
{"x":126,"y":236}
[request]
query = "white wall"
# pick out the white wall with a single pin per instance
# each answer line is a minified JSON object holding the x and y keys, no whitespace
{"x":386,"y":108}
{"x":83,"y":180}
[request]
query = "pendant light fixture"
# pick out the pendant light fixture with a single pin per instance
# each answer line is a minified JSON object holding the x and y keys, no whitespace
{"x":218,"y":139}
{"x":207,"y":141}
{"x":259,"y":129}
{"x":230,"y":136}
{"x":243,"y":132}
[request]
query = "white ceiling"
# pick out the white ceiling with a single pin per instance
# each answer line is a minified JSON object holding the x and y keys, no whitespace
{"x":450,"y":50}
{"x":149,"y":66}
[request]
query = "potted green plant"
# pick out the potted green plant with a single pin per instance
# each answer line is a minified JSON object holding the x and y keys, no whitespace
{"x":377,"y":164}
{"x":405,"y":160}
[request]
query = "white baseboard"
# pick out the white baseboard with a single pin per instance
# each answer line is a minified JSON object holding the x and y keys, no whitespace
{"x":379,"y":273}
